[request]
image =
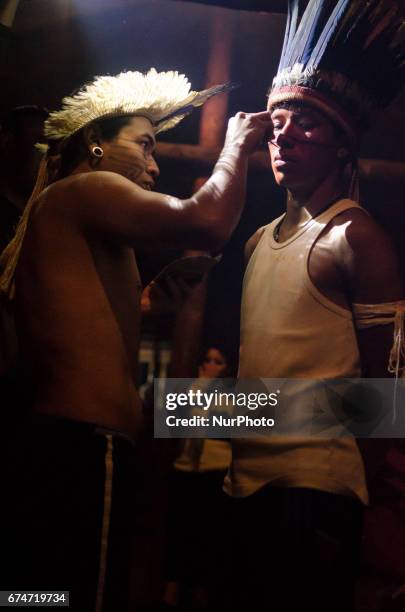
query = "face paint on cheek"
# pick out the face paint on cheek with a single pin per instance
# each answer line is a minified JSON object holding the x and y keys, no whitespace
{"x":131,"y":164}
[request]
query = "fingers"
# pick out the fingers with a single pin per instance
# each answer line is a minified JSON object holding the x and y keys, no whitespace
{"x":171,"y":288}
{"x":266,"y":115}
{"x":250,"y":129}
{"x":176,"y":292}
{"x":263,"y":115}
{"x":183,"y":285}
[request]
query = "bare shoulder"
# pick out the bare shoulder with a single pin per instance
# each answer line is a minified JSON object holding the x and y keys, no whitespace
{"x":93,"y":184}
{"x":112,"y":207}
{"x":360,"y":226}
{"x":84,"y":185}
{"x":363,"y":236}
{"x":91,"y":195}
{"x":252,"y":243}
{"x":367,"y":256}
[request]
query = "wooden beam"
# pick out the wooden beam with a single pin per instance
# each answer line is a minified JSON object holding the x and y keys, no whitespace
{"x":204,"y":158}
{"x":382,"y":170}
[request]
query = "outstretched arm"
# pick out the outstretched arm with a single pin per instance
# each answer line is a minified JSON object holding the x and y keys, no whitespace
{"x":111,"y":205}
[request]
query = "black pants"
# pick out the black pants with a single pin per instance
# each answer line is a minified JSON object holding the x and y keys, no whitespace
{"x":198,"y":529}
{"x":295,"y":549}
{"x":56,"y":503}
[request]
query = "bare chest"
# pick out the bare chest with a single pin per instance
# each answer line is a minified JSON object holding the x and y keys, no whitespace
{"x":119,"y":278}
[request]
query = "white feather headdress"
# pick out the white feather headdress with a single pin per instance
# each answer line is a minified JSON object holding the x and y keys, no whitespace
{"x":164,"y":97}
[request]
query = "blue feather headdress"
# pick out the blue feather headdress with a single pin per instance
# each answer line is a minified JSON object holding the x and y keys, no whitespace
{"x":345,"y":57}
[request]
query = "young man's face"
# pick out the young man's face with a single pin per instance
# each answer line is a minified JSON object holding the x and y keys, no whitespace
{"x":130,"y":153}
{"x":303,"y":148}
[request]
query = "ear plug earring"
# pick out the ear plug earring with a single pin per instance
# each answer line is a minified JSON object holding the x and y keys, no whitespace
{"x":97,"y":151}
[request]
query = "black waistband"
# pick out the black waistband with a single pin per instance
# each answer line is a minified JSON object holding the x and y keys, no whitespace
{"x":51,"y":424}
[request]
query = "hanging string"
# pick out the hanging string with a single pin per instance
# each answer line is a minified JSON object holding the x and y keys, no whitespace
{"x":396,"y":364}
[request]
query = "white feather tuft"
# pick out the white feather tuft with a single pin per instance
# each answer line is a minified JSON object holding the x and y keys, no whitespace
{"x":154,"y":94}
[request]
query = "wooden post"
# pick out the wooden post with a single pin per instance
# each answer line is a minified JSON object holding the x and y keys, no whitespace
{"x":189,"y":321}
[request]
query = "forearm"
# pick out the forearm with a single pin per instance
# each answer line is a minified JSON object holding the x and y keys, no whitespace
{"x":8,"y":9}
{"x":187,"y":333}
{"x":120,"y":208}
{"x":221,"y":199}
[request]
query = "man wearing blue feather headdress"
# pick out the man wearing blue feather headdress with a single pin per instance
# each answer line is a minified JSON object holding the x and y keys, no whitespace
{"x":322,"y":299}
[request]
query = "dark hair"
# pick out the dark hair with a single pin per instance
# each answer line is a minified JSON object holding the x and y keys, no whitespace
{"x":13,"y":121}
{"x":111,"y":127}
{"x":226,"y":352}
{"x":73,"y":150}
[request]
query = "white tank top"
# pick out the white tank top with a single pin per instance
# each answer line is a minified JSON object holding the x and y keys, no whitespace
{"x":290,"y":330}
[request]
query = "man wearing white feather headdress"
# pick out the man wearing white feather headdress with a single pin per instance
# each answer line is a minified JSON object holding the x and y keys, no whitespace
{"x":332,"y":302}
{"x":72,"y":275}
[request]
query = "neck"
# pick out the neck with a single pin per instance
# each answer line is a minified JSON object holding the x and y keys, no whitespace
{"x":303,"y":205}
{"x":82,"y":167}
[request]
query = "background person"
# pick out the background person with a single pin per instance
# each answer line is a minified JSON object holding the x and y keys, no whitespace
{"x":198,"y":547}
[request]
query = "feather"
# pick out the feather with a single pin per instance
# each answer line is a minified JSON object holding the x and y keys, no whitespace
{"x":352,"y":50}
{"x":330,"y":29}
{"x":157,"y":95}
{"x":193,"y":101}
{"x":314,"y":31}
{"x":290,"y":30}
{"x":308,"y":19}
{"x":311,"y":25}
